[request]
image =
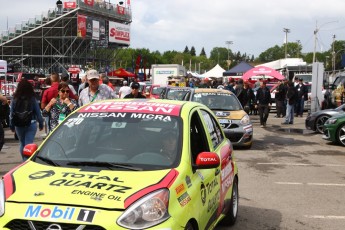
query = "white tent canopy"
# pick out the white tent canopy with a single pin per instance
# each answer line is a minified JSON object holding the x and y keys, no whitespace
{"x":216,"y":71}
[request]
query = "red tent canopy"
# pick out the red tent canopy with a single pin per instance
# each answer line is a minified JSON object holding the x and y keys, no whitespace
{"x":121,"y":73}
{"x":263,"y":71}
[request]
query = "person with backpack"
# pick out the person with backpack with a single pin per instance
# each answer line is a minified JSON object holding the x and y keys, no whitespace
{"x":24,"y":114}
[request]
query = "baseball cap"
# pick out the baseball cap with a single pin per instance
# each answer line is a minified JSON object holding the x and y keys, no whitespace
{"x":125,"y":82}
{"x":92,"y":74}
{"x":135,"y":85}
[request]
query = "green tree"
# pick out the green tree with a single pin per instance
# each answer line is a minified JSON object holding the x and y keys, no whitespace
{"x":202,"y":53}
{"x":186,"y":50}
{"x":192,"y":51}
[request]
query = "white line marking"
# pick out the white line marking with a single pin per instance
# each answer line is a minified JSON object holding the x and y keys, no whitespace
{"x":300,"y":164}
{"x":326,"y":184}
{"x":289,"y":183}
{"x":312,"y":184}
{"x":325,"y":217}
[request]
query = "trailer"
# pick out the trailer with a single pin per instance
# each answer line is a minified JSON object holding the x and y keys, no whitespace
{"x":162,"y":72}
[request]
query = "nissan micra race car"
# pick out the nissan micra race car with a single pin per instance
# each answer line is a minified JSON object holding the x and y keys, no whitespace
{"x":126,"y":164}
{"x":234,"y":121}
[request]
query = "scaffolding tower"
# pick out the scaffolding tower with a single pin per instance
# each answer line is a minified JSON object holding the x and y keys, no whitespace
{"x":51,"y":42}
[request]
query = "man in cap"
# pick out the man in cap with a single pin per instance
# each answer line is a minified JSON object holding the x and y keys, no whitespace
{"x":95,"y":91}
{"x":135,"y":91}
{"x":124,"y":90}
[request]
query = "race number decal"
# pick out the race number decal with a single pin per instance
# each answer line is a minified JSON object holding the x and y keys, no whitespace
{"x":86,"y":215}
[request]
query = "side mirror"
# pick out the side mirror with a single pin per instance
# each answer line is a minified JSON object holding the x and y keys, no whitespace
{"x":29,"y":149}
{"x":207,"y":160}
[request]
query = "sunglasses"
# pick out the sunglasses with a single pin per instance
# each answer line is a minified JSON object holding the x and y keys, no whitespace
{"x":64,"y":91}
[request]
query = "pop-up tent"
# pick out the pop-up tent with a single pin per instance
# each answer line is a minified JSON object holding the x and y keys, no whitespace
{"x":262,"y":71}
{"x":216,"y":72}
{"x":121,"y":73}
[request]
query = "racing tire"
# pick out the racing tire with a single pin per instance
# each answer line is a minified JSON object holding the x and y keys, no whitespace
{"x":189,"y":226}
{"x":320,"y":122}
{"x":231,"y":215}
{"x":341,"y":135}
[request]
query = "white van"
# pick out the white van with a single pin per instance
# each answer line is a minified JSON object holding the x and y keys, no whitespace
{"x":306,"y":77}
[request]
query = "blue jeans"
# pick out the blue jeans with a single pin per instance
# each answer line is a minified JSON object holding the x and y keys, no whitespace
{"x":26,"y":135}
{"x":300,"y":106}
{"x":289,"y":113}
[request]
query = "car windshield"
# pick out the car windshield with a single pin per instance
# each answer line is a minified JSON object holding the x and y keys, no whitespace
{"x":218,"y":101}
{"x":157,"y":90}
{"x":113,"y":140}
{"x":176,"y":94}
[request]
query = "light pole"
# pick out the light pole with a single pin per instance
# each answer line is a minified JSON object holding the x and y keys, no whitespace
{"x":299,"y":45}
{"x":317,"y":29}
{"x":286,"y":31}
{"x":333,"y":54}
{"x":228,"y":43}
{"x":199,"y":67}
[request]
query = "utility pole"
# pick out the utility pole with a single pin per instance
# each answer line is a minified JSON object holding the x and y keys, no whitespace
{"x":317,"y":29}
{"x":286,"y":31}
{"x":299,"y":45}
{"x":333,"y":55}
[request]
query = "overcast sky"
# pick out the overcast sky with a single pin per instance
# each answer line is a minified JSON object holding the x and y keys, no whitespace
{"x":252,"y":25}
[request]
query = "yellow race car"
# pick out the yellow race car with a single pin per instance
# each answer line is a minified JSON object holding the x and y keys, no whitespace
{"x":126,"y":164}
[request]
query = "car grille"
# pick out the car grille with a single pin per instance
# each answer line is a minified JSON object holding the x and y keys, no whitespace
{"x":235,"y":137}
{"x":18,"y":224}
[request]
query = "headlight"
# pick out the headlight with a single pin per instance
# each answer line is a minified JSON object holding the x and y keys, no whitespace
{"x":245,"y":120}
{"x":331,"y":121}
{"x":2,"y":198}
{"x":148,"y":211}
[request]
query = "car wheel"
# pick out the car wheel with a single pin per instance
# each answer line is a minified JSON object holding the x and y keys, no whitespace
{"x":189,"y":226}
{"x":231,"y":216}
{"x":341,"y":135}
{"x":320,"y":121}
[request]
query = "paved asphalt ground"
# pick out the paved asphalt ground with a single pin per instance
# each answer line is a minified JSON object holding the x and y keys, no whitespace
{"x":290,"y":179}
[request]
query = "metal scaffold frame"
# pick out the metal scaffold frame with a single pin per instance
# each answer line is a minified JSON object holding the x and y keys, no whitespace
{"x":50,"y":43}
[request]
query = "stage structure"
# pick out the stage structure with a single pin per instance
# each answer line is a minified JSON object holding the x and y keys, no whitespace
{"x":83,"y":35}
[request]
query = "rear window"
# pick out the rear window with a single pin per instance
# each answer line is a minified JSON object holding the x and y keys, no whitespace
{"x":218,"y":101}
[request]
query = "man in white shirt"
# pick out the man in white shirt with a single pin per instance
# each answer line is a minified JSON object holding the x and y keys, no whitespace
{"x":124,"y":90}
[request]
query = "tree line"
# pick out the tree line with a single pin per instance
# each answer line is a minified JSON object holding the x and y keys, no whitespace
{"x":201,"y":62}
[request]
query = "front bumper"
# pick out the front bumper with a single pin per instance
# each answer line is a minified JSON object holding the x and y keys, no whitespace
{"x":239,"y":135}
{"x":310,"y":123}
{"x":329,"y":133}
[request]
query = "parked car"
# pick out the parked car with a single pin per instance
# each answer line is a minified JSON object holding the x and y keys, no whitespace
{"x":234,"y":120}
{"x":334,"y":129}
{"x":315,"y":121}
{"x":154,"y":91}
{"x":126,"y":164}
{"x":174,"y":92}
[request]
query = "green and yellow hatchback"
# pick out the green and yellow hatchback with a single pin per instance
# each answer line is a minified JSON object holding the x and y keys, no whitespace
{"x":126,"y":164}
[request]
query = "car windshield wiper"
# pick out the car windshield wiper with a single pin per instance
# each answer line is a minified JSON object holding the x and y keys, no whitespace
{"x":47,"y":160}
{"x":104,"y":164}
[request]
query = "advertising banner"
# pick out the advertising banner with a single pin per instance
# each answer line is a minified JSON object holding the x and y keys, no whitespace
{"x":89,"y":2}
{"x":102,"y":29}
{"x":95,"y":30}
{"x":89,"y":27}
{"x":70,"y":4}
{"x":3,"y":66}
{"x":81,"y":26}
{"x":119,"y":33}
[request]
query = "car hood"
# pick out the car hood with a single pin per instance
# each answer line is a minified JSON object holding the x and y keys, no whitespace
{"x":235,"y":115}
{"x":326,"y":111}
{"x":36,"y":183}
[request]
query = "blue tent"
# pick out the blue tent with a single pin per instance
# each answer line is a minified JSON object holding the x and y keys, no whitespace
{"x":238,"y":70}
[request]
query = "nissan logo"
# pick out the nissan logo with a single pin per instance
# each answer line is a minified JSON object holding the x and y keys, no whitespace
{"x":54,"y":227}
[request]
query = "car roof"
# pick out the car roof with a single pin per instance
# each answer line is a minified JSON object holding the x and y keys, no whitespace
{"x":151,"y":106}
{"x":210,"y":90}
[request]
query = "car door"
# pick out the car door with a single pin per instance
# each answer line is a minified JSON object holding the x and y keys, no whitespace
{"x":225,"y":172}
{"x":208,"y":180}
